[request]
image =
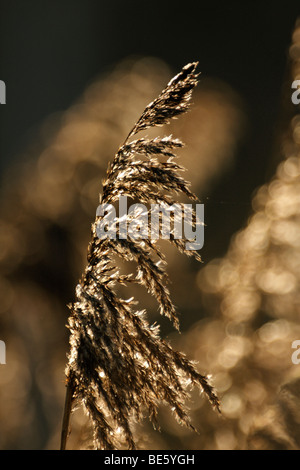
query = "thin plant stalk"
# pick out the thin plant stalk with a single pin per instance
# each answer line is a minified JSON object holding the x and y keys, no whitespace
{"x":118,"y":365}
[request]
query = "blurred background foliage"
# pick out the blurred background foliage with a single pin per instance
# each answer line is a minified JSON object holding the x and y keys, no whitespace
{"x":78,"y":75}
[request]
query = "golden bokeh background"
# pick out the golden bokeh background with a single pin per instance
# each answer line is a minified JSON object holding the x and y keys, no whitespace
{"x":240,"y":312}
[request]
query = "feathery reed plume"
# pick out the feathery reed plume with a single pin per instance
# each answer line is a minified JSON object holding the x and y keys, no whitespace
{"x":118,"y":365}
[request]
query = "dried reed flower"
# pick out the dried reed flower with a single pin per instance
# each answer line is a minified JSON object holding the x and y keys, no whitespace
{"x":118,"y":365}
